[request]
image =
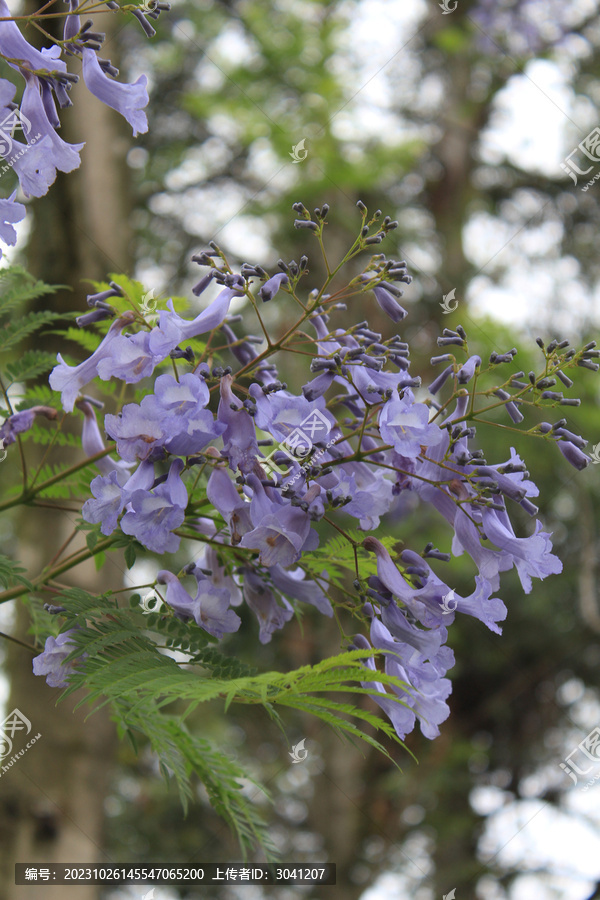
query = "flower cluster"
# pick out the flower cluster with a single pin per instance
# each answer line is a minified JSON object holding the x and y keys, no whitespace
{"x":47,"y":82}
{"x":276,"y":466}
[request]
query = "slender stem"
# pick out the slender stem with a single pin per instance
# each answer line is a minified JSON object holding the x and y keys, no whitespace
{"x":46,"y":576}
{"x":28,"y":495}
{"x":60,"y":551}
{"x":9,"y":637}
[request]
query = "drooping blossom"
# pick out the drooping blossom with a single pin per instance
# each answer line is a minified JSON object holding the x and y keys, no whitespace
{"x":51,"y":662}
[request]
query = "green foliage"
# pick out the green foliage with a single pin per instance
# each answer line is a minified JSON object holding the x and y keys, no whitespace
{"x":132,"y":669}
{"x":11,"y":573}
{"x":18,"y":287}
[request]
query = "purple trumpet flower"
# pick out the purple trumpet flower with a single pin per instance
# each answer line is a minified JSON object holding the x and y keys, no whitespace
{"x":425,"y":693}
{"x":239,"y":434}
{"x":531,"y":555}
{"x":64,"y":157}
{"x":130,"y":359}
{"x":153,"y":515}
{"x":14,"y":46}
{"x":92,"y":443}
{"x":172,"y":329}
{"x":128,"y":99}
{"x":51,"y":662}
{"x":405,"y":424}
{"x":137,"y":430}
{"x":220,"y":578}
{"x":10,"y":213}
{"x":209,"y":608}
{"x":112,"y":492}
{"x":281,"y":532}
{"x":261,"y":600}
{"x":294,"y":584}
{"x":172,"y":418}
{"x":33,"y":166}
{"x":426,"y":603}
{"x":370,"y":492}
{"x":22,"y":421}
{"x":427,"y":642}
{"x":224,"y":497}
{"x":399,"y":713}
{"x":70,"y":379}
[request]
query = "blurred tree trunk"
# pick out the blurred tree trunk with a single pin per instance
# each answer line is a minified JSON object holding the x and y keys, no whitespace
{"x":52,"y":801}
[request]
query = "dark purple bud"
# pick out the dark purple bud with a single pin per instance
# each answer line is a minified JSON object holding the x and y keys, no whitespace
{"x":564,"y":378}
{"x":447,"y":341}
{"x":586,"y":364}
{"x":573,"y":455}
{"x":436,"y":360}
{"x":187,"y":354}
{"x":432,"y":553}
{"x":203,"y":283}
{"x":96,"y":315}
{"x":92,"y":299}
{"x":389,"y":304}
{"x":551,"y":395}
{"x":530,"y":508}
{"x":570,"y":401}
{"x":304,"y":223}
{"x":148,"y":29}
{"x":466,"y":372}
{"x":573,"y":438}
{"x":511,"y":406}
{"x":270,"y":288}
{"x":391,"y":288}
{"x":440,"y":380}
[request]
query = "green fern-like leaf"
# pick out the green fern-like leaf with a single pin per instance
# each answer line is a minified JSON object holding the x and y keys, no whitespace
{"x":11,"y":573}
{"x":29,"y":365}
{"x":17,"y":287}
{"x":16,"y":330}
